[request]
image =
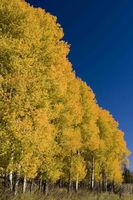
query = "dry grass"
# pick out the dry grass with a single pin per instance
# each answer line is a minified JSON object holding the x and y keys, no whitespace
{"x":64,"y":196}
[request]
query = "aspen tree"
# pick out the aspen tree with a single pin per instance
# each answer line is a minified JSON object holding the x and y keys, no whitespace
{"x":89,"y":129}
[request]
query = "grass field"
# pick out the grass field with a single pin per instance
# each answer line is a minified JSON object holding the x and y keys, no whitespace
{"x":65,"y":196}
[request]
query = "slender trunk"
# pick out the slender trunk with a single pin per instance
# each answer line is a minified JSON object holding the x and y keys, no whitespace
{"x":11,"y":175}
{"x":92,"y":175}
{"x":106,"y":185}
{"x":60,"y":183}
{"x":5,"y":181}
{"x":11,"y":180}
{"x":77,"y":178}
{"x":15,"y":189}
{"x":16,"y":182}
{"x":46,"y":187}
{"x":24,"y":184}
{"x":99,"y":187}
{"x":77,"y":184}
{"x":113,"y":187}
{"x":103,"y":181}
{"x":31,"y":185}
{"x":69,"y":184}
{"x":40,"y":185}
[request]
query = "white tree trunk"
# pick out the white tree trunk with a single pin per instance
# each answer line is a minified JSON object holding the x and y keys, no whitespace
{"x":46,"y":187}
{"x":40,"y":185}
{"x":77,"y":183}
{"x":24,"y":185}
{"x":11,"y":181}
{"x":16,"y":185}
{"x":92,"y":175}
{"x":17,"y":181}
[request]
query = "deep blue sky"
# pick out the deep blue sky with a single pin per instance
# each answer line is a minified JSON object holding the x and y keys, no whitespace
{"x":101,"y":36}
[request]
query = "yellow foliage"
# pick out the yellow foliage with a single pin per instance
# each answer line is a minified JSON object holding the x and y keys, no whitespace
{"x":50,"y":122}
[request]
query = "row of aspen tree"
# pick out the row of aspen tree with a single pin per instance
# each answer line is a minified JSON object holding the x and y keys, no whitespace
{"x":51,"y":127}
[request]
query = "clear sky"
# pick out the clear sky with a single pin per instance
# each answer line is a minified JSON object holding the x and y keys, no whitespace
{"x":101,"y":36}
